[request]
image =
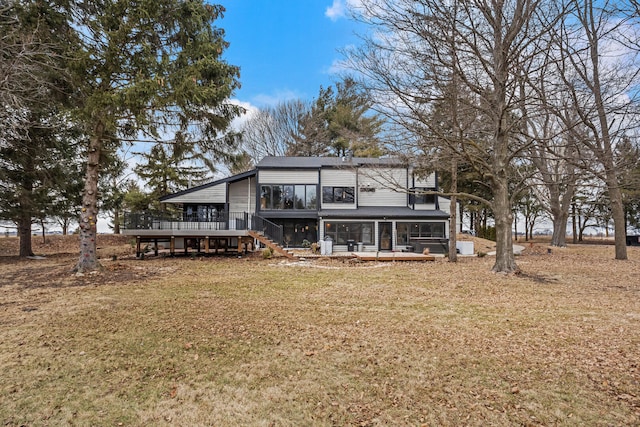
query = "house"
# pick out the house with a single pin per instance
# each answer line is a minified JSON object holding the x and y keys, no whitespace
{"x":364,"y":204}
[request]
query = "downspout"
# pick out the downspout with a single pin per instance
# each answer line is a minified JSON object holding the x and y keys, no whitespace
{"x":436,"y":187}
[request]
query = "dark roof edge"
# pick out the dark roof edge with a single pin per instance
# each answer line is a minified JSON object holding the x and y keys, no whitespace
{"x":228,"y":179}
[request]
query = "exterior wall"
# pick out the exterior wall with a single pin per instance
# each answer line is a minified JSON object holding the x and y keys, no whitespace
{"x":338,"y":178}
{"x":288,"y":177}
{"x":242,"y":196}
{"x":214,"y":194}
{"x":384,"y":195}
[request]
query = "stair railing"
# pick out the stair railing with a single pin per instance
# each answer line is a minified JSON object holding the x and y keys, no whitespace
{"x":267,"y":228}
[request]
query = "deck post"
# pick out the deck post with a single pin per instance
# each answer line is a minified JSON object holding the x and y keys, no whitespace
{"x":137,"y":246}
{"x":206,"y":244}
{"x":172,"y":246}
{"x":155,"y":243}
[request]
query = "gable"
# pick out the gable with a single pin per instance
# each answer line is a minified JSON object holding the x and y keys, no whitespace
{"x":209,"y":194}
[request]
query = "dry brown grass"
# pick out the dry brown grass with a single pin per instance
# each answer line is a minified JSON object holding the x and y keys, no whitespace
{"x":227,"y":341}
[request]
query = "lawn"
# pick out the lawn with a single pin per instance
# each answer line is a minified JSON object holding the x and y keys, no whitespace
{"x":253,"y":342}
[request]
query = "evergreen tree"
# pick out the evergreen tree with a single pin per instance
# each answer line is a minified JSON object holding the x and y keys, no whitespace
{"x":169,"y":169}
{"x":147,"y":68}
{"x":37,"y":178}
{"x":113,"y":186}
{"x":352,"y":127}
{"x":38,"y":144}
{"x":313,"y":137}
{"x":340,"y":122}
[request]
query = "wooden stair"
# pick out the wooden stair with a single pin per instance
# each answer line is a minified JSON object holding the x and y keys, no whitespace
{"x":271,"y":244}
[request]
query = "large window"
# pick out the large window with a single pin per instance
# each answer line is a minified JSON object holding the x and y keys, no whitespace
{"x":408,"y":231}
{"x":338,"y":195}
{"x":287,"y":197}
{"x":340,"y":232}
{"x":418,"y":198}
{"x":203,"y":213}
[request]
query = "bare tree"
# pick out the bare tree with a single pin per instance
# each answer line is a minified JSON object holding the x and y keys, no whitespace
{"x":272,"y":130}
{"x":556,"y":156}
{"x":600,"y":68}
{"x":407,"y":64}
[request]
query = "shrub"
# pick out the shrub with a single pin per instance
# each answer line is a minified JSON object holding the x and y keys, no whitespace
{"x":267,"y":253}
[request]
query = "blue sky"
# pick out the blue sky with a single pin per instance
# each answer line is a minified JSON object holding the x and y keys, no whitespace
{"x":285,"y":48}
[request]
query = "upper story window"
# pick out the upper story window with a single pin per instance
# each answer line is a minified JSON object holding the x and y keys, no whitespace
{"x":275,"y":196}
{"x":416,"y":198}
{"x":338,"y":195}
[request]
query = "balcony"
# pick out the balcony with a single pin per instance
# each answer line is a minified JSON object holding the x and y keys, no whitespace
{"x":224,"y":224}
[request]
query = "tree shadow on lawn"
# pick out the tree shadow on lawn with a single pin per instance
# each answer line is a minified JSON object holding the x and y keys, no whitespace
{"x":55,"y":271}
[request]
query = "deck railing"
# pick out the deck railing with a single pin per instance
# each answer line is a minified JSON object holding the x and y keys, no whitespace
{"x":222,"y":221}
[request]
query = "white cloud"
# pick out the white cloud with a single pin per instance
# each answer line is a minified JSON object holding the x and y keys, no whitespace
{"x":335,"y":11}
{"x":276,"y":97}
{"x":339,"y":67}
{"x":250,"y":110}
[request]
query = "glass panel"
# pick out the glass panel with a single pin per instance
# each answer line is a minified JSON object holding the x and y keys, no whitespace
{"x":343,"y":233}
{"x":422,"y":199}
{"x":327,"y":194}
{"x":330,"y":230}
{"x":311,"y":197}
{"x":300,"y":197}
{"x":265,"y":197}
{"x":278,"y":201}
{"x":189,"y":214}
{"x":403,"y":233}
{"x":348,"y":195}
{"x":202,"y":213}
{"x":287,"y":196}
{"x":367,"y":233}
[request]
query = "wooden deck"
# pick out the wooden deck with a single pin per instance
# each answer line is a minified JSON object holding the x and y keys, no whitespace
{"x":392,"y":256}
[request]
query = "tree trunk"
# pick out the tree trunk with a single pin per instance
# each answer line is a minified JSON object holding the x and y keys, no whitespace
{"x":505,"y":259}
{"x":617,"y":210}
{"x":607,"y":158}
{"x":574,"y":225}
{"x":453,"y":238}
{"x":88,"y":216}
{"x":116,"y":221}
{"x":559,"y":237}
{"x":24,"y":220}
{"x":24,"y":233}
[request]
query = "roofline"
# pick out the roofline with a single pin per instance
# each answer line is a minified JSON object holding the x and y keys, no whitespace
{"x":229,"y":179}
{"x":331,"y":162}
